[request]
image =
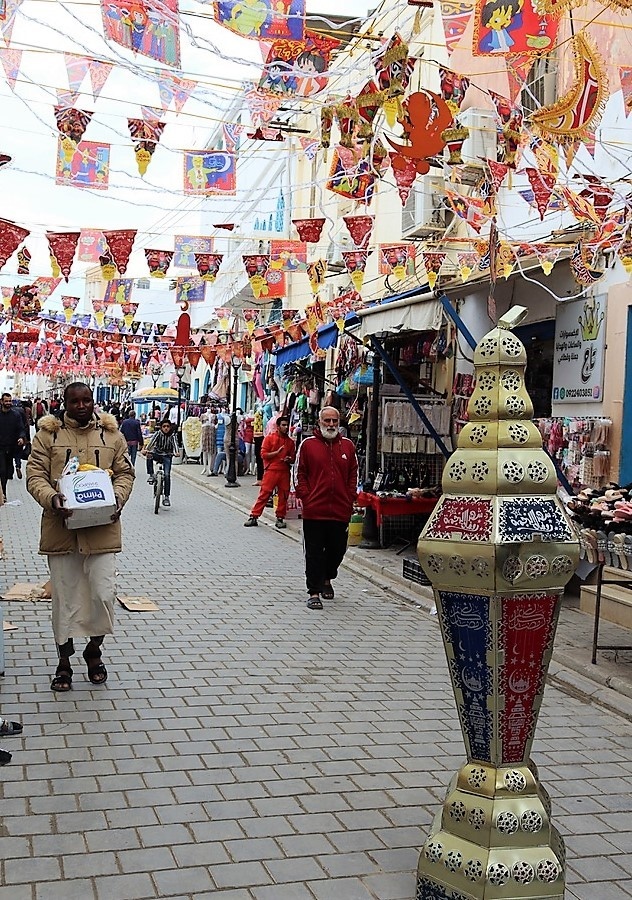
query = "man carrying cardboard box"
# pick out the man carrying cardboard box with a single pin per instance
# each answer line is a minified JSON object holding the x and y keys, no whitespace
{"x":81,"y":560}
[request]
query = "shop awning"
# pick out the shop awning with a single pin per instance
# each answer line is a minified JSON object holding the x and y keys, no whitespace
{"x":422,"y":312}
{"x":327,"y":337}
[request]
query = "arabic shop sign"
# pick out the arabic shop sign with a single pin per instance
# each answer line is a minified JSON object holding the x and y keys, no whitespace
{"x":580,"y":343}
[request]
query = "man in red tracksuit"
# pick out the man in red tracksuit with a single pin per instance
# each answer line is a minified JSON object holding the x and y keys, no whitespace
{"x":327,"y":485}
{"x":278,"y":453}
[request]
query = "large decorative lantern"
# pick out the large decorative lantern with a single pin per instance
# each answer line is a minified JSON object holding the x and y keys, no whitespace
{"x":498,"y":550}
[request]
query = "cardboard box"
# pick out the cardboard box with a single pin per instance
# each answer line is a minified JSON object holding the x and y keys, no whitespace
{"x":90,"y":496}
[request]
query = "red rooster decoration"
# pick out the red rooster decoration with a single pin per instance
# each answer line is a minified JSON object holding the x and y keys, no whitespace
{"x":427,"y":116}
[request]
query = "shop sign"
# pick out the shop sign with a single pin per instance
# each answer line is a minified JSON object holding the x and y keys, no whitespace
{"x":580,"y":343}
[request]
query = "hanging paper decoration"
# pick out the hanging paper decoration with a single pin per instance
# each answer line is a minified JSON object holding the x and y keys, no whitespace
{"x":347,"y":117}
{"x":91,"y":245}
{"x":572,"y":116}
{"x":223,"y":317}
{"x":580,"y":268}
{"x":145,"y":134}
{"x":316,"y":273}
{"x":263,"y":19}
{"x":86,"y":164}
{"x":326,"y":124}
{"x":8,"y":10}
{"x":257,"y":266}
{"x":186,"y":246}
{"x":158,"y":262}
{"x":598,"y":194}
{"x":455,"y":15}
{"x":119,"y":244}
{"x":497,"y":173}
{"x":542,"y":186}
{"x":625,"y":77}
{"x":368,"y":103}
{"x":298,"y":67}
{"x":262,"y":105}
{"x":71,"y":124}
{"x":433,"y":260}
{"x":581,"y":207}
{"x":454,"y":138}
{"x":519,"y":28}
{"x":505,"y":259}
{"x":24,"y":261}
{"x":24,"y":304}
{"x":173,"y":90}
{"x":288,"y":256}
{"x":624,"y":252}
{"x":404,"y":173}
{"x":251,"y":318}
{"x":351,"y":177}
{"x":466,"y":262}
{"x":209,"y":172}
{"x":309,"y":230}
{"x":394,"y":68}
{"x":355,"y":262}
{"x":190,"y":290}
{"x":69,"y":305}
{"x":360,"y":229}
{"x":310,"y":147}
{"x":118,"y":291}
{"x":428,"y":117}
{"x":397,"y":260}
{"x":208,"y":265}
{"x":99,"y":308}
{"x":108,"y":268}
{"x":11,"y":60}
{"x":470,"y":209}
{"x":453,"y":88}
{"x":62,"y":248}
{"x":148,"y":27}
{"x":45,"y":285}
{"x":99,"y":73}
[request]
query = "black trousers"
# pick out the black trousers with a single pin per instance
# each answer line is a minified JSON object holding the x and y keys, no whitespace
{"x":325,"y":544}
{"x":258,"y":441}
{"x":6,"y":467}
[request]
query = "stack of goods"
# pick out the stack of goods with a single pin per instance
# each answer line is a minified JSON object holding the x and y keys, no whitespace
{"x":603,"y":519}
{"x":580,"y":446}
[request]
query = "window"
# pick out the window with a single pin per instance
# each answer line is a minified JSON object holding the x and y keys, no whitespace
{"x":540,"y":89}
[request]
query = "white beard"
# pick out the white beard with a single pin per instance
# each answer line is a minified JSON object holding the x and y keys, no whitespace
{"x":329,"y":433}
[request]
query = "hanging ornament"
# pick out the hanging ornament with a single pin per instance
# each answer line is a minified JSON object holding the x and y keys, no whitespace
{"x":404,"y":174}
{"x":309,"y":230}
{"x":99,"y":308}
{"x":257,"y":266}
{"x":145,"y":133}
{"x":108,"y":269}
{"x":466,"y":262}
{"x":158,"y":262}
{"x":24,"y":261}
{"x":454,"y":138}
{"x":581,"y":207}
{"x":347,"y":117}
{"x":572,"y":116}
{"x":208,"y":265}
{"x":316,"y":273}
{"x":512,"y":135}
{"x":394,"y":68}
{"x":624,"y":252}
{"x":505,"y":259}
{"x":599,"y":194}
{"x":397,"y":260}
{"x":497,"y":172}
{"x":360,"y":229}
{"x":24,"y":303}
{"x":582,"y":273}
{"x":368,"y":103}
{"x":11,"y":236}
{"x":453,"y":88}
{"x":355,"y":263}
{"x":542,"y":186}
{"x":129,"y":312}
{"x":251,"y":318}
{"x":119,"y":243}
{"x":326,"y":124}
{"x":428,"y":117}
{"x":62,"y":247}
{"x":69,"y":305}
{"x":433,"y":260}
{"x":71,"y":124}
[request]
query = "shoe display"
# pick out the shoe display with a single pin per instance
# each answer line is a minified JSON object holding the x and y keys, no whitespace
{"x":280,"y":523}
{"x":166,"y":501}
{"x":603,"y":521}
{"x":251,"y":522}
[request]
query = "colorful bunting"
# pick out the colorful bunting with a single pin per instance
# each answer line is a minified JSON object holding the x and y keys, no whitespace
{"x":316,"y":273}
{"x":62,"y":249}
{"x":397,"y":259}
{"x":309,"y":230}
{"x":209,"y":173}
{"x":11,"y":60}
{"x":455,"y":15}
{"x":500,"y":30}
{"x":83,"y":165}
{"x":185,"y":248}
{"x":119,"y":290}
{"x":119,"y":244}
{"x":466,"y":262}
{"x":190,"y":290}
{"x":257,"y":266}
{"x":298,"y":67}
{"x":69,"y":305}
{"x":145,"y":133}
{"x":24,"y":261}
{"x":542,"y":186}
{"x":263,"y":19}
{"x":148,"y":27}
{"x":470,"y":209}
{"x":262,"y":105}
{"x":360,"y":228}
{"x":208,"y":265}
{"x":158,"y":262}
{"x":433,"y":260}
{"x":355,"y":263}
{"x":582,"y":273}
{"x":351,"y":177}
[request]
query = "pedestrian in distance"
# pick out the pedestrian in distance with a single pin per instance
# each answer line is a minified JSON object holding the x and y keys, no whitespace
{"x":327,"y":485}
{"x":162,"y":446}
{"x":133,"y":434}
{"x":13,"y":437}
{"x":81,"y":560}
{"x":278,"y":453}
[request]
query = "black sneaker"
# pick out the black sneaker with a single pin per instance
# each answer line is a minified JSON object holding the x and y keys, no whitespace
{"x":251,"y":522}
{"x":280,"y":523}
{"x":166,"y":501}
{"x":18,"y":472}
{"x":151,"y":479}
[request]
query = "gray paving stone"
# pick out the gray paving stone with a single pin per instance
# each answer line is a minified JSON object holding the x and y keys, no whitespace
{"x":240,"y":874}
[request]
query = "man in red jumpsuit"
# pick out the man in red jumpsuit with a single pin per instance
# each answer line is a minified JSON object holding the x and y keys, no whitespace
{"x":278,"y":453}
{"x":327,"y":485}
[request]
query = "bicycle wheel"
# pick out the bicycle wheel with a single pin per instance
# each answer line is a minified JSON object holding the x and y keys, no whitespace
{"x":157,"y":492}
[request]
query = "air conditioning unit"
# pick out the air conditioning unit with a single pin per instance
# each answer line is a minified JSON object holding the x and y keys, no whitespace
{"x":425,"y":212}
{"x":340,"y":244}
{"x":483,"y":138}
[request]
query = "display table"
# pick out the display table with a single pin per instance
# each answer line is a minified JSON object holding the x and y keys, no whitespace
{"x":404,"y":509}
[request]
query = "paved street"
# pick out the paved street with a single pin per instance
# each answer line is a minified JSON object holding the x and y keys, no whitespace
{"x":249,"y":749}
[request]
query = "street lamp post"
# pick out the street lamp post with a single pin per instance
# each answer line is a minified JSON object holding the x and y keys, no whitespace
{"x":231,"y":472}
{"x":154,"y":373}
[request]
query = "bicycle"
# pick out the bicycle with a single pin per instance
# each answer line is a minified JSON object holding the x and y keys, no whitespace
{"x":159,"y":484}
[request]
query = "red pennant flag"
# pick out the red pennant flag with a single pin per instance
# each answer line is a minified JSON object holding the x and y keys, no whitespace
{"x":227,"y":226}
{"x":119,"y":243}
{"x":11,"y":236}
{"x":99,"y":74}
{"x":360,"y":229}
{"x":71,"y":122}
{"x":542,"y":186}
{"x":62,"y":247}
{"x":208,"y":354}
{"x":158,"y":262}
{"x":309,"y":230}
{"x":497,"y":172}
{"x":432,"y":263}
{"x":208,"y":265}
{"x":404,"y":173}
{"x":145,"y":134}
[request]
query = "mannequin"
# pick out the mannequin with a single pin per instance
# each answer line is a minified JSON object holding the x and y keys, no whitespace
{"x":208,"y":444}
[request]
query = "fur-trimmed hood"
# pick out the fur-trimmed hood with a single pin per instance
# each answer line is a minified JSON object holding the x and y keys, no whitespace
{"x":103,"y":420}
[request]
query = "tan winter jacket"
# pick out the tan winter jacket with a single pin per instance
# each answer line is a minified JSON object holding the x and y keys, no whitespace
{"x":101,"y":444}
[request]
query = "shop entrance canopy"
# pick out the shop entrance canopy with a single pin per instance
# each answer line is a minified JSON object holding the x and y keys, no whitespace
{"x":422,"y":312}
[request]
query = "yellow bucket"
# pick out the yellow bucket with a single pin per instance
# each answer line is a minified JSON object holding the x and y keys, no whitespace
{"x":355,"y":530}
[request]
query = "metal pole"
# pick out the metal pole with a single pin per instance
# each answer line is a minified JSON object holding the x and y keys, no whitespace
{"x":179,"y":403}
{"x":231,"y":472}
{"x":374,"y":411}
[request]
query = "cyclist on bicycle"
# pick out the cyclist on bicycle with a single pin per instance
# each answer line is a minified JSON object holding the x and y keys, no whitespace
{"x":162,"y":447}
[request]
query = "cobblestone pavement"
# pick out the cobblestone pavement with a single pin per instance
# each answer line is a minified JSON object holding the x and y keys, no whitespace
{"x":249,"y":749}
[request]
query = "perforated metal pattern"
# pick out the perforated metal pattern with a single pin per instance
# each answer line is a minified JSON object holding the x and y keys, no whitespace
{"x":477,"y":777}
{"x":478,"y":434}
{"x":434,"y":851}
{"x":511,"y":345}
{"x":523,"y":873}
{"x":453,"y":861}
{"x":562,"y":565}
{"x":531,"y":821}
{"x":515,"y":405}
{"x":457,"y":811}
{"x":486,"y":381}
{"x":537,"y":566}
{"x":537,"y":471}
{"x":458,"y":565}
{"x":488,"y":347}
{"x":435,"y":563}
{"x":507,"y":823}
{"x":547,"y":871}
{"x":511,"y":380}
{"x":518,"y":433}
{"x":473,"y":870}
{"x":480,"y":471}
{"x":498,"y":874}
{"x":482,"y":405}
{"x":512,"y":569}
{"x":513,"y":471}
{"x":457,"y":470}
{"x":476,"y":818}
{"x":515,"y":782}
